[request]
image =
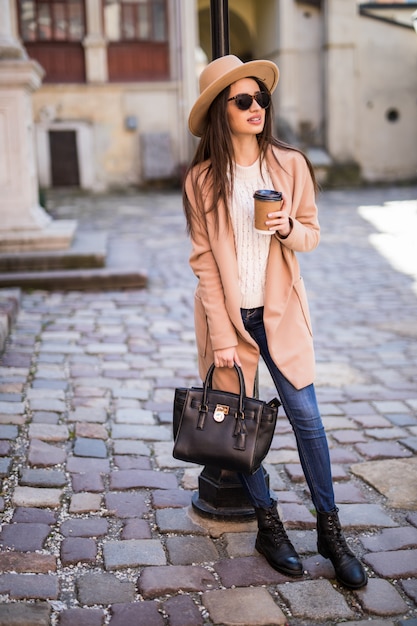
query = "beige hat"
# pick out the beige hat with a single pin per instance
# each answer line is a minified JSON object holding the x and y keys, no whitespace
{"x":221,"y":73}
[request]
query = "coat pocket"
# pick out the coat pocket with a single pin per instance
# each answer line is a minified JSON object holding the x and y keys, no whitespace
{"x":300,"y":290}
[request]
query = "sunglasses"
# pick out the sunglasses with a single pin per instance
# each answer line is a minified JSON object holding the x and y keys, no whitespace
{"x":244,"y":100}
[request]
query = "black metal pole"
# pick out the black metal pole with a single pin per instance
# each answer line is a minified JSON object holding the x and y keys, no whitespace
{"x":220,"y":493}
{"x":219,"y":20}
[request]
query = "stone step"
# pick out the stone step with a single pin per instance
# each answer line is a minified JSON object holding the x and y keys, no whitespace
{"x":79,"y":279}
{"x":87,"y":250}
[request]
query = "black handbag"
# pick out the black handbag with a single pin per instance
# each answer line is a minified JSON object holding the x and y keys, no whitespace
{"x":222,"y":429}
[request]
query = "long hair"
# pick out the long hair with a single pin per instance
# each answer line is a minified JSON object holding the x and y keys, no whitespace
{"x":212,"y":167}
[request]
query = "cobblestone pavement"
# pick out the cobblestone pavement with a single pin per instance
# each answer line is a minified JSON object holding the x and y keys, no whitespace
{"x":97,"y":526}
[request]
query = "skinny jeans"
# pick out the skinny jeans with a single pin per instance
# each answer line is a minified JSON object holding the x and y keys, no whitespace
{"x":301,"y":408}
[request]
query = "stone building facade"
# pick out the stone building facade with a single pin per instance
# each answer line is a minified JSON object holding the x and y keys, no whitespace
{"x":121,"y":77}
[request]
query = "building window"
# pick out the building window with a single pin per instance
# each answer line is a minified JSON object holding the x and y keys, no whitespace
{"x":137,"y":20}
{"x":52,"y":20}
{"x":137,"y":32}
{"x":52,"y":31}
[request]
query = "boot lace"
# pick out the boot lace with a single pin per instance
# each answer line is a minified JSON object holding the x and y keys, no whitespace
{"x":339,"y":544}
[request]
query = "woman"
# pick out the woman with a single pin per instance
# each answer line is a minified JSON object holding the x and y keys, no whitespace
{"x":250,"y":299}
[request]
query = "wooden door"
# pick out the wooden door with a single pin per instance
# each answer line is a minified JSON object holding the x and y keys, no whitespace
{"x":64,"y":158}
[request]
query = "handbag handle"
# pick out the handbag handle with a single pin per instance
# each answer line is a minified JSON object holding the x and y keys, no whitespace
{"x":208,"y":385}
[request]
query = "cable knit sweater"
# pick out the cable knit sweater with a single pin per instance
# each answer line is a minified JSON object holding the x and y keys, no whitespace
{"x":252,"y":248}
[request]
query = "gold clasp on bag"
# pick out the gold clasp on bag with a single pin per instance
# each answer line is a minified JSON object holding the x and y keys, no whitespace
{"x":219,"y":412}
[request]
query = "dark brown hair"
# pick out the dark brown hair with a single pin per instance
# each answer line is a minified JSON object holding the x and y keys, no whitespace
{"x":214,"y":158}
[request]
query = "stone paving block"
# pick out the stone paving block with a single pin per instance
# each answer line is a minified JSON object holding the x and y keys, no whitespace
{"x":85,"y":503}
{"x":126,"y":504}
{"x":43,"y":454}
{"x":188,"y":550}
{"x":133,"y":553}
{"x":24,"y":537}
{"x":92,"y":430}
{"x":81,"y":617}
{"x":48,"y":432}
{"x":25,"y":614}
{"x":393,"y":564}
{"x":87,"y":447}
{"x":88,"y":414}
{"x":130,"y":462}
{"x":348,"y":493}
{"x":130,"y":446}
{"x":410,"y":588}
{"x":75,"y":550}
{"x":5,"y":448}
{"x":296,"y":515}
{"x":144,"y":433}
{"x":8,"y":431}
{"x":240,"y":544}
{"x":318,"y":567}
{"x":93,"y":481}
{"x":45,"y":417}
{"x":391,"y":539}
{"x":382,"y":434}
{"x":145,"y":612}
{"x":162,"y":580}
{"x":177,"y":521}
{"x":37,"y":497}
{"x":182,"y":611}
{"x":43,"y":478}
{"x":136,"y":529}
{"x":12,"y":408}
{"x":396,"y":479}
{"x":243,"y":607}
{"x":77,"y":465}
{"x":34,"y":515}
{"x":80,"y":527}
{"x":5,"y":465}
{"x":135,"y":415}
{"x":363,"y":515}
{"x":382,"y":450}
{"x":27,"y":563}
{"x":102,"y":588}
{"x":47,"y":404}
{"x":315,"y":600}
{"x":30,"y":586}
{"x":348,"y":436}
{"x":342,"y":456}
{"x":247,"y":571}
{"x":379,"y":597}
{"x":133,"y":479}
{"x":374,"y":622}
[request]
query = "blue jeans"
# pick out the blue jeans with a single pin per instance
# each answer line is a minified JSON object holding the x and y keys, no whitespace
{"x":300,"y":406}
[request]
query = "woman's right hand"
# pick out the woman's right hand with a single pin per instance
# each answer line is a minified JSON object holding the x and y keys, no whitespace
{"x":226,"y":357}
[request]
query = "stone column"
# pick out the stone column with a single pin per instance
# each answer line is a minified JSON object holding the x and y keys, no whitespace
{"x":24,"y":225}
{"x":340,"y":92}
{"x":187,"y":42}
{"x":95,"y":44}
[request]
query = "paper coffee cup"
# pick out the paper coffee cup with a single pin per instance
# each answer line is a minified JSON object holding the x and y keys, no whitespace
{"x":266,"y":201}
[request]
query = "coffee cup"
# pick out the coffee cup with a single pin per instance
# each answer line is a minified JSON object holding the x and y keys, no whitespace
{"x":266,"y":201}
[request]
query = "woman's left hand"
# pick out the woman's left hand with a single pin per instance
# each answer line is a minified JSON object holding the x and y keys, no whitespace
{"x":280,"y":221}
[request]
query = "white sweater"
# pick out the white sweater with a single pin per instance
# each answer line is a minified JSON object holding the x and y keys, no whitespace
{"x":252,"y":248}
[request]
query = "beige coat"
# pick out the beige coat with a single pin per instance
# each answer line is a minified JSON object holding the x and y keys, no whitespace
{"x":218,"y":322}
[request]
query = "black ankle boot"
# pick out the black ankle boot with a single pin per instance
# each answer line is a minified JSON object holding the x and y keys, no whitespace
{"x":273,"y":543}
{"x":332,"y":545}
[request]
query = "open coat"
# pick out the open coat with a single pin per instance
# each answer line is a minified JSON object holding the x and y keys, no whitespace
{"x":218,"y":322}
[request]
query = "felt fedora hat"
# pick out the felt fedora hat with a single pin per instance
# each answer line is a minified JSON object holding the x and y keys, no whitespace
{"x":221,"y":73}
